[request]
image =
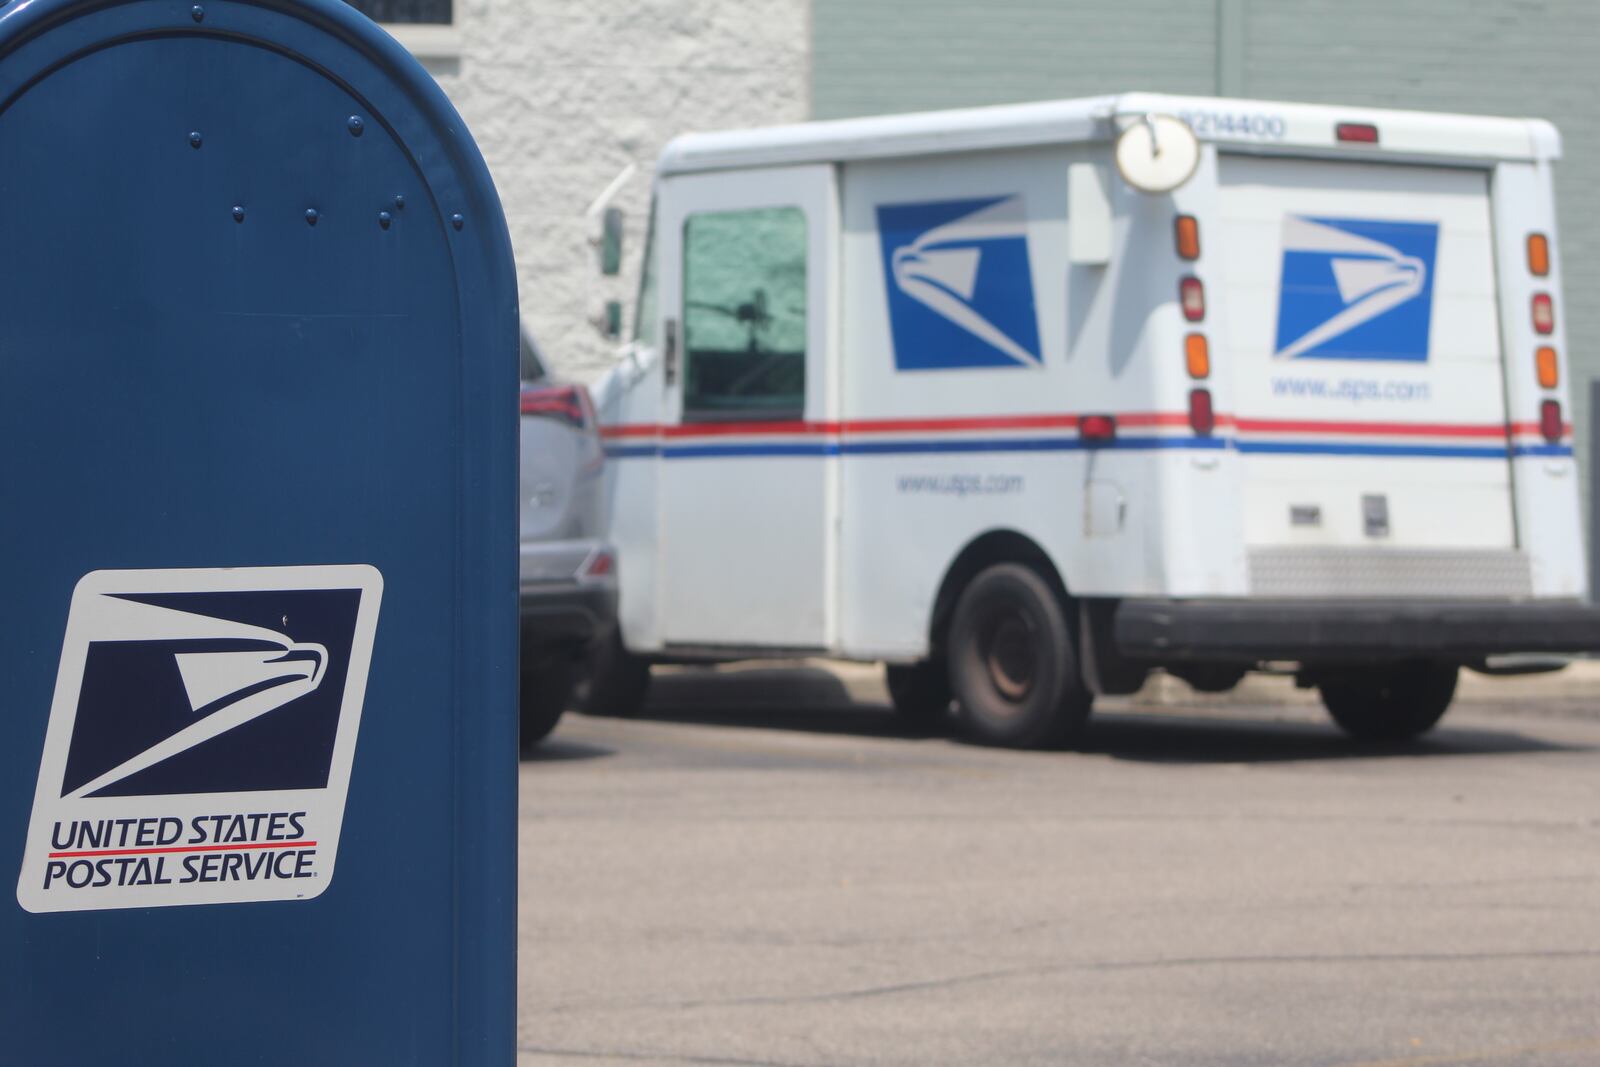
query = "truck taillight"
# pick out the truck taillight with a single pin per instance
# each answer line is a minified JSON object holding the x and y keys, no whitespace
{"x":1538,"y":254}
{"x":1186,"y":231}
{"x":1544,"y":313}
{"x":1550,"y":425}
{"x":1192,"y":295}
{"x":568,"y":403}
{"x":1197,"y":355}
{"x":1356,"y":132}
{"x":1202,"y":420}
{"x":1545,"y":363}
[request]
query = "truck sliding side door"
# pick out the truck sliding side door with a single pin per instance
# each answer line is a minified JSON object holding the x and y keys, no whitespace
{"x":748,"y":460}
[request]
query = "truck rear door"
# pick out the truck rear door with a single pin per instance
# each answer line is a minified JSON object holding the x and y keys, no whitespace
{"x":1362,"y":332}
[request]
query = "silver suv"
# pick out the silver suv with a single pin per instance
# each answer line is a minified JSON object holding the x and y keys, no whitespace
{"x":568,"y":569}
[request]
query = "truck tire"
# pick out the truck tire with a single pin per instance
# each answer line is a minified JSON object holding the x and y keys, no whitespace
{"x":546,"y":690}
{"x":1013,"y":668}
{"x":920,"y":692}
{"x":1209,"y":677}
{"x":615,"y":681}
{"x":1392,"y":702}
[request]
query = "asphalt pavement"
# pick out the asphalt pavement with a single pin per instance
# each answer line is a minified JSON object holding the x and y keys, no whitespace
{"x":767,"y":869}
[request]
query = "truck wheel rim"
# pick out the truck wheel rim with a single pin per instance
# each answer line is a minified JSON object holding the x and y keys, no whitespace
{"x":1011,"y":657}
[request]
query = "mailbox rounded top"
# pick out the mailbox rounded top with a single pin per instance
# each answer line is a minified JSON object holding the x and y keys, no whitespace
{"x":38,"y":37}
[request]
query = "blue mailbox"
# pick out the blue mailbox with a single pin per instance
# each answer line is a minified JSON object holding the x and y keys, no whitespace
{"x":258,"y":349}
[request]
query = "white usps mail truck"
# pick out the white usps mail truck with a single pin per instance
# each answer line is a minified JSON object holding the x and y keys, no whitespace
{"x":1026,"y":401}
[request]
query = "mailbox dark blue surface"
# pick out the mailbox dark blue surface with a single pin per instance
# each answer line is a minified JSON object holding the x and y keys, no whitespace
{"x":258,"y":352}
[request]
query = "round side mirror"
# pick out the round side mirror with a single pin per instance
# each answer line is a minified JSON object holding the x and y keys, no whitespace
{"x":1157,"y":153}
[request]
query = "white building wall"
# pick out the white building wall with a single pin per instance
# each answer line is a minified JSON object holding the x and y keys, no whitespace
{"x":561,"y":95}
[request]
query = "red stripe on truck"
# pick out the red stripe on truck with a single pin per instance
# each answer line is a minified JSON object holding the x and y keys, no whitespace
{"x":1134,"y":419}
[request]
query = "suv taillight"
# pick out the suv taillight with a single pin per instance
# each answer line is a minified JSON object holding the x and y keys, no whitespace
{"x":569,"y":403}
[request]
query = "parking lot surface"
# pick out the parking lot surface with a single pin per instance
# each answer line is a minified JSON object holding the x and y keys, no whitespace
{"x":768,"y":869}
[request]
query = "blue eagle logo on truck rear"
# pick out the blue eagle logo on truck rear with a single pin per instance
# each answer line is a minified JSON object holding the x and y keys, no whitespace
{"x":959,"y":283}
{"x":1356,"y":289}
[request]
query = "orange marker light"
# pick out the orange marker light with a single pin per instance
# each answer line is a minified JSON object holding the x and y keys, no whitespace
{"x":1197,"y":355}
{"x":1187,"y":230}
{"x":1538,"y":254}
{"x":1545,"y":361}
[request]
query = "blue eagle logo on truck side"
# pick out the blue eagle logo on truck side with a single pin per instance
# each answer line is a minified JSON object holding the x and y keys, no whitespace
{"x":1356,"y":289}
{"x":959,"y":283}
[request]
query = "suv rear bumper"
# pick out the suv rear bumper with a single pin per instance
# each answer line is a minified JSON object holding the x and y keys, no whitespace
{"x":565,"y":603}
{"x":1332,"y":631}
{"x":571,"y":614}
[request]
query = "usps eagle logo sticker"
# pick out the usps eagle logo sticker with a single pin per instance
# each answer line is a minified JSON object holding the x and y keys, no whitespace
{"x":200,"y":738}
{"x":960,"y":285}
{"x":1356,"y":289}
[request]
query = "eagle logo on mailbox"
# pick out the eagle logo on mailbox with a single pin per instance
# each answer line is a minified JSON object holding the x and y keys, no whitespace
{"x":200,"y":739}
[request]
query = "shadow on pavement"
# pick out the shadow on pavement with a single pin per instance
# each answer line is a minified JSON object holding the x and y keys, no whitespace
{"x":813,"y":700}
{"x":807,"y":699}
{"x":556,"y":749}
{"x":1187,"y":737}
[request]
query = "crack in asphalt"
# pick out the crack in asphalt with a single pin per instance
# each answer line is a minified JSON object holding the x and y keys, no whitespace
{"x":1038,"y":970}
{"x":659,"y":1057}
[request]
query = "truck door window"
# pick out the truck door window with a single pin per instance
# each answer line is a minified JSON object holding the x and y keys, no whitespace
{"x":744,"y":314}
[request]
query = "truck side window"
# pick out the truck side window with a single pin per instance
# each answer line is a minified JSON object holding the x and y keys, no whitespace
{"x":744,"y":314}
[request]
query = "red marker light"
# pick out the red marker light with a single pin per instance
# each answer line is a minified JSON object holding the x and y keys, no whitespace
{"x":1550,"y":424}
{"x":1097,"y":427}
{"x":1202,"y":419}
{"x":1356,"y":132}
{"x":1544,"y":313}
{"x":1192,"y":295}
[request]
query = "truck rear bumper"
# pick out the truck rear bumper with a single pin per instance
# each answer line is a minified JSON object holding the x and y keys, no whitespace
{"x":1331,"y":631}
